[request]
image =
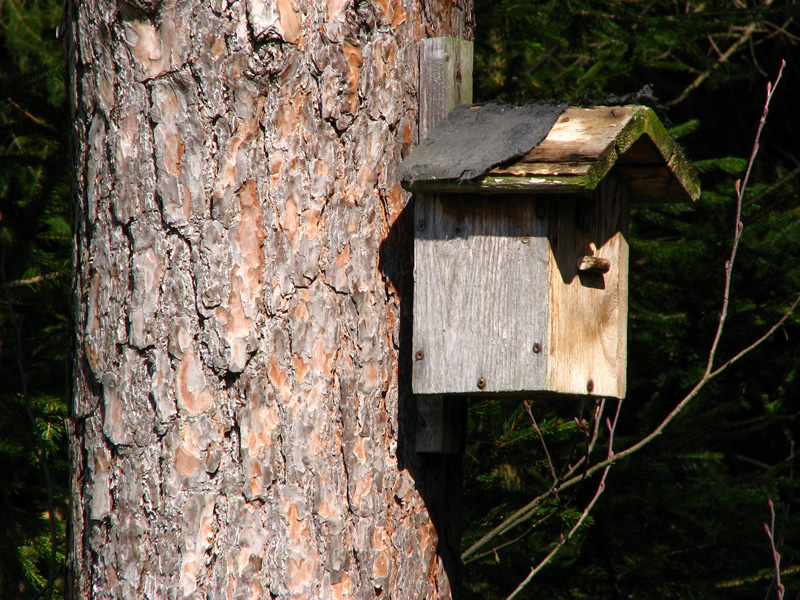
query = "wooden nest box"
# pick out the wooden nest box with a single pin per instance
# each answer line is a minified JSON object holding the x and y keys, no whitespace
{"x":521,"y":264}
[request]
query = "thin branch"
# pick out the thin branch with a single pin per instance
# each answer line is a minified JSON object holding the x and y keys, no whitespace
{"x":564,"y":539}
{"x":509,"y":542}
{"x":741,"y":187}
{"x":776,"y":557}
{"x":37,"y":279}
{"x":544,"y":444}
{"x":598,"y":417}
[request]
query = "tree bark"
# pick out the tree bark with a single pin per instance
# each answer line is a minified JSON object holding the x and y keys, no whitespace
{"x":242,"y":415}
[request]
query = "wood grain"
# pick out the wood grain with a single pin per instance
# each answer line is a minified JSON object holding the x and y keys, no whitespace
{"x":588,"y":312}
{"x":480,"y":302}
{"x":445,"y":80}
{"x":581,"y":134}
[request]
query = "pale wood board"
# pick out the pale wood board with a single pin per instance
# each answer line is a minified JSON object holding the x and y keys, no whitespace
{"x":480,"y":303}
{"x":543,"y":169}
{"x":502,"y":185}
{"x":588,"y":313}
{"x":581,"y":134}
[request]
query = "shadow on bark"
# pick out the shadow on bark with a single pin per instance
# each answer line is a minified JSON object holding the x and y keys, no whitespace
{"x":438,"y":477}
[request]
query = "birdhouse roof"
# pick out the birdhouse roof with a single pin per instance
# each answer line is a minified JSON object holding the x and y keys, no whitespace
{"x":547,"y":148}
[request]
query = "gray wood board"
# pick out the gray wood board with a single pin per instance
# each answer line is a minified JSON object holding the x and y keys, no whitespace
{"x":481,"y":280}
{"x":445,"y":79}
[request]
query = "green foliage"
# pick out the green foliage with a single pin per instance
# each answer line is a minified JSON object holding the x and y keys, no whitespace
{"x":35,"y":243}
{"x":682,"y":518}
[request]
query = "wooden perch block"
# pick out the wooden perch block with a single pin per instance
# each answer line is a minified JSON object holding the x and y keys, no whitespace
{"x":594,"y":263}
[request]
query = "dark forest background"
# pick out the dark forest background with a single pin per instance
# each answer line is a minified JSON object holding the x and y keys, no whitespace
{"x":683,"y":518}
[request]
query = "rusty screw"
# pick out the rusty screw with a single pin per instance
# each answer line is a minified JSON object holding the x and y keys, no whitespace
{"x":419,"y":355}
{"x":526,"y":240}
{"x":481,"y":383}
{"x":590,"y":386}
{"x":421,"y":226}
{"x":537,"y":347}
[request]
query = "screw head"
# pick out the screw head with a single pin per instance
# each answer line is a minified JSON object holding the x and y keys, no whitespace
{"x":419,"y":355}
{"x":537,"y":347}
{"x":481,"y":383}
{"x":420,"y":225}
{"x":526,"y":240}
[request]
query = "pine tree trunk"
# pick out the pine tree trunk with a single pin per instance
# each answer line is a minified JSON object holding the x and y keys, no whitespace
{"x":242,"y":416}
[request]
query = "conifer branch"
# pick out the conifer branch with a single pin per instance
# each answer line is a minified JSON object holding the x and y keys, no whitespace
{"x":741,"y":39}
{"x":38,"y":440}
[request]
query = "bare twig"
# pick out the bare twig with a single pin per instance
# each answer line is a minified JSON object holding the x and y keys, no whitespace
{"x":597,"y":419}
{"x":544,"y":444}
{"x":37,"y":279}
{"x":741,"y":186}
{"x":565,"y":538}
{"x":776,"y":557}
{"x":710,"y":373}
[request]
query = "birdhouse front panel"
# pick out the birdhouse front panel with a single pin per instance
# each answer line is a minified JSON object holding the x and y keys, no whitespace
{"x":501,"y":306}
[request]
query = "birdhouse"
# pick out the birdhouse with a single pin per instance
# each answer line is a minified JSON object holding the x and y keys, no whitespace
{"x":521,"y":245}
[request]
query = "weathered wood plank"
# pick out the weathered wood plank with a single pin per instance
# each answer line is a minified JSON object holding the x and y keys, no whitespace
{"x":445,"y":80}
{"x":581,"y":134}
{"x":565,"y":184}
{"x":588,"y":313}
{"x":480,"y":282}
{"x":546,"y":169}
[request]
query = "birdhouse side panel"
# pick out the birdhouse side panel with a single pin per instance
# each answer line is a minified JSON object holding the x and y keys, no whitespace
{"x":589,"y":308}
{"x":480,"y":295}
